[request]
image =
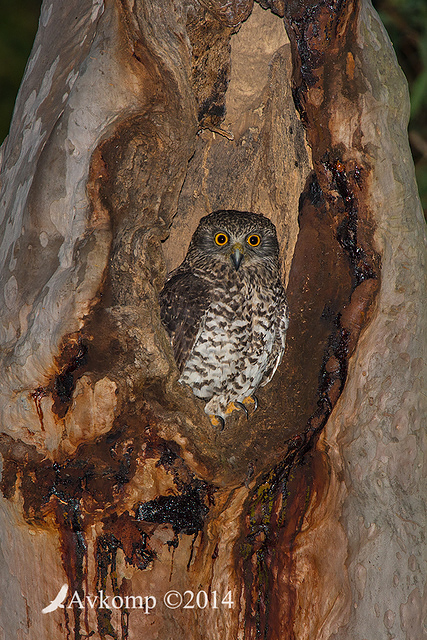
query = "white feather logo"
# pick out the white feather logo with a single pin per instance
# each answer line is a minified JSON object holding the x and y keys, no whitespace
{"x":58,"y":601}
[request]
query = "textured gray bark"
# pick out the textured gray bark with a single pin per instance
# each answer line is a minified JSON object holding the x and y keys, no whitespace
{"x":115,"y":151}
{"x":378,"y":430}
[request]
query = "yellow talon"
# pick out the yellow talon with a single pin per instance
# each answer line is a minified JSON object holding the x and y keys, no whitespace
{"x":248,"y":405}
{"x":251,"y":403}
{"x":217,"y":421}
{"x":232,"y":406}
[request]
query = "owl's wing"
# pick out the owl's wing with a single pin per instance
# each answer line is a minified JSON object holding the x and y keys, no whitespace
{"x":183,"y":302}
{"x":279,"y":346}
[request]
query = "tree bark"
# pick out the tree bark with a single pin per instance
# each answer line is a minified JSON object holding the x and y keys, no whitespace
{"x":306,"y":521}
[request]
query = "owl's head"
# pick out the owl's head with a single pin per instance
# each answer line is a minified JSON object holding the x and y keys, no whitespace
{"x":238,"y":239}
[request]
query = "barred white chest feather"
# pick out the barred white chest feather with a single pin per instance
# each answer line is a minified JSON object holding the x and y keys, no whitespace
{"x":234,"y":348}
{"x":225,"y":309}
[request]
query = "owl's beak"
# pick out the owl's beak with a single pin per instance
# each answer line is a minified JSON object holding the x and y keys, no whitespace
{"x":237,"y":255}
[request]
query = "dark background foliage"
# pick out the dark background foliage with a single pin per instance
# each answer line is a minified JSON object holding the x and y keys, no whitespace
{"x":18,"y":25}
{"x":405,"y":21}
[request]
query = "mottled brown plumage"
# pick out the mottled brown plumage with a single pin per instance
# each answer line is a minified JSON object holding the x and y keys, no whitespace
{"x":225,"y":309}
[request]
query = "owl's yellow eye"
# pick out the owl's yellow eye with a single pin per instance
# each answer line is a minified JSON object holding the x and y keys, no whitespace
{"x":253,"y":240}
{"x":221,"y":239}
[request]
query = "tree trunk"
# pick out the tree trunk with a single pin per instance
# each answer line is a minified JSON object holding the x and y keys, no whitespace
{"x":306,"y":521}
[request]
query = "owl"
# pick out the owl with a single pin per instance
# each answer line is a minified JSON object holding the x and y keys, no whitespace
{"x":225,"y":311}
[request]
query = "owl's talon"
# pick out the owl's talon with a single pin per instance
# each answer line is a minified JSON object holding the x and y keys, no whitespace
{"x":251,"y":402}
{"x":234,"y":406}
{"x":217,"y":421}
{"x":249,"y":405}
{"x":241,"y":406}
